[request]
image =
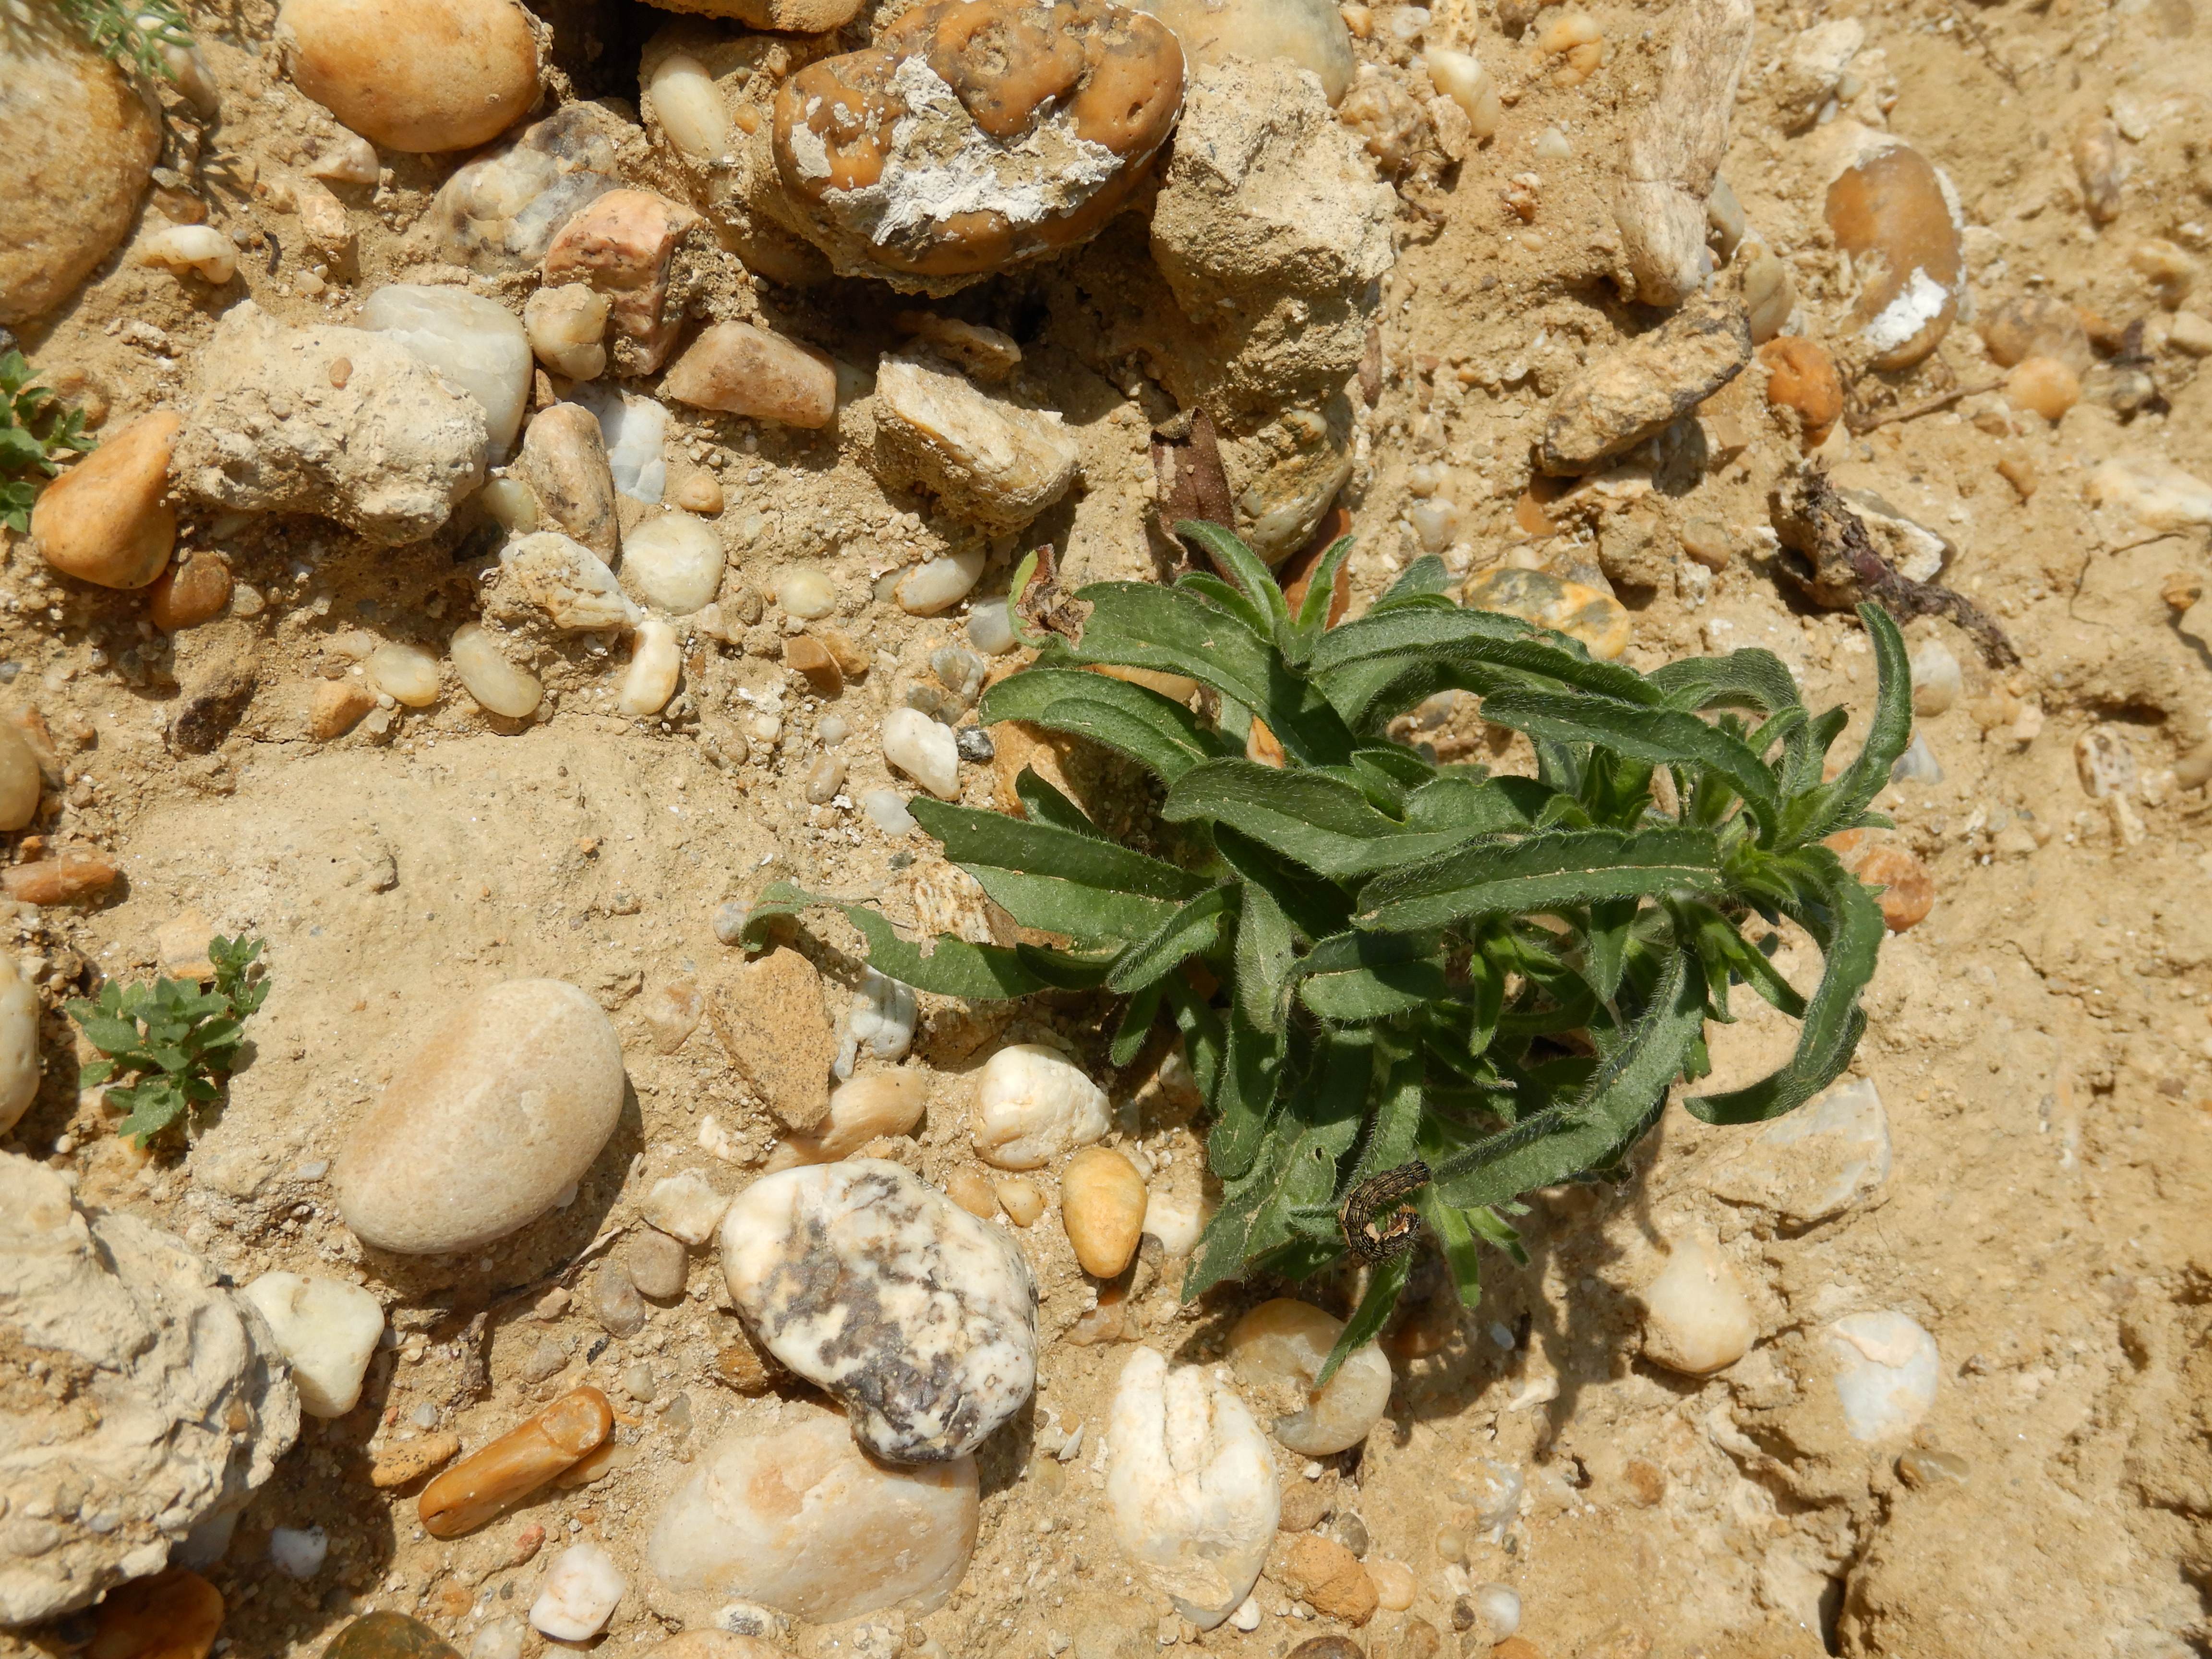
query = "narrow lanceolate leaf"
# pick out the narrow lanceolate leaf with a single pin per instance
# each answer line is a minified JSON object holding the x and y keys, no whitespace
{"x":1317,"y":908}
{"x":944,"y":965}
{"x":1848,"y":924}
{"x":1266,"y":952}
{"x":1753,"y":678}
{"x":1380,"y":665}
{"x":1661,"y":736}
{"x":1541,"y":873}
{"x":1590,"y":1131}
{"x":1143,"y":625}
{"x":1248,"y":1082}
{"x":1194,"y":930}
{"x":1242,"y":566}
{"x":1159,"y":734}
{"x":1136,"y":1025}
{"x":1312,"y":619}
{"x":1839,"y":804}
{"x":1355,"y":978}
{"x":1384,"y":1286}
{"x":1427,"y":577}
{"x":1062,"y":881}
{"x":1315,"y":817}
{"x":1455,"y":1237}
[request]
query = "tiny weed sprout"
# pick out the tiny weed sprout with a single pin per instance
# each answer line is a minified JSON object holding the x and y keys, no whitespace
{"x":34,"y":428}
{"x":174,"y":1043}
{"x":1410,"y":993}
{"x":133,"y":32}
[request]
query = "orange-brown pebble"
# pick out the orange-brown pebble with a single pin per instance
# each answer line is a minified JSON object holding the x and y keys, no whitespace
{"x":1516,"y":1647}
{"x":1010,"y":98}
{"x":1801,"y":375}
{"x":2043,"y":386}
{"x":807,"y":656}
{"x":172,"y":1616}
{"x":1327,"y":1576}
{"x":743,"y":370}
{"x":1889,"y":213}
{"x":2019,"y":472}
{"x":1908,"y":889}
{"x":2035,"y":325}
{"x":701,"y":493}
{"x":972,"y":1193}
{"x":67,"y":879}
{"x":108,"y":519}
{"x":501,"y":1474}
{"x":620,"y":244}
{"x":194,"y":590}
{"x":408,"y":1460}
{"x":422,"y":76}
{"x":335,"y":707}
{"x":1102,"y":1204}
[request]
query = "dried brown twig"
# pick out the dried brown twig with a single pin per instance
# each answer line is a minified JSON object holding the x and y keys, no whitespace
{"x":1859,"y":425}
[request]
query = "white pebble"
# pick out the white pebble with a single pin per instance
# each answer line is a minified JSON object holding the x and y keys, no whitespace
{"x":924,"y":750}
{"x":1696,"y":1319}
{"x":298,"y":1552}
{"x":1491,"y":1490}
{"x":405,"y":673}
{"x":351,"y":159}
{"x":633,"y":428}
{"x":886,"y":810}
{"x":990,"y":630}
{"x":327,"y":1329}
{"x":1247,"y":1616}
{"x":1033,"y":1104}
{"x":1917,"y":764}
{"x":1175,"y":1217}
{"x":1499,"y":1606}
{"x":513,"y":505}
{"x":683,"y":97}
{"x":502,"y":1638}
{"x":201,"y":249}
{"x":673,"y":563}
{"x":880,"y":1104}
{"x":804,"y":591}
{"x":567,"y":325}
{"x":487,"y":675}
{"x":578,"y":1595}
{"x":1435,"y":522}
{"x":937,"y":585}
{"x":1461,"y":77}
{"x":1887,"y":1370}
{"x":477,"y":343}
{"x":655,"y":661}
{"x":2154,"y":491}
{"x":1937,"y":684}
{"x":685,"y":1207}
{"x":880,"y":1021}
{"x":1192,"y":1485}
{"x":1278,"y":1348}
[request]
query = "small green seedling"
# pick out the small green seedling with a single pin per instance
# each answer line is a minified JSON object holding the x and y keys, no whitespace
{"x":34,"y":427}
{"x":1411,"y":993}
{"x":133,"y":32}
{"x":175,"y":1043}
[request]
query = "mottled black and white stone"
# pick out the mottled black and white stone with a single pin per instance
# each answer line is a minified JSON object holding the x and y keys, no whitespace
{"x":916,"y":1316}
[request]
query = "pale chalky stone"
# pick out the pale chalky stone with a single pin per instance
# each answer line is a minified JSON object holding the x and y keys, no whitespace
{"x":988,"y":460}
{"x":18,"y":1044}
{"x":840,"y":1535}
{"x":1191,"y":1485}
{"x":578,"y":1594}
{"x":494,"y":1115}
{"x":1034,"y":1104}
{"x":1828,"y":1155}
{"x":1696,"y":1319}
{"x":920,"y":1319}
{"x":1887,"y":1372}
{"x":685,"y":1207}
{"x":566,"y":581}
{"x":327,"y":1328}
{"x":924,"y":750}
{"x":477,"y":343}
{"x":673,"y":563}
{"x":1278,"y":1350}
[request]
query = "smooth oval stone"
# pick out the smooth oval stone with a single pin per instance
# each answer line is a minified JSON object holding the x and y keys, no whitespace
{"x":327,"y":1328}
{"x":801,"y":1520}
{"x":425,"y":76}
{"x":386,"y":1635}
{"x":498,"y":1111}
{"x":477,"y":343}
{"x":920,"y":1319}
{"x":673,"y":563}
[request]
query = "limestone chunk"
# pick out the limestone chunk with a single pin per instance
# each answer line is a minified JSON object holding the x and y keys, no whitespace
{"x":82,"y":143}
{"x":1827,"y":1156}
{"x":496,"y":1111}
{"x":620,"y":244}
{"x":19,"y":1040}
{"x":335,"y":421}
{"x":1675,"y":148}
{"x":1033,"y":1104}
{"x":567,"y":582}
{"x":201,"y":250}
{"x":500,"y":212}
{"x":743,"y":370}
{"x":973,"y":135}
{"x":2152,"y":491}
{"x":1888,"y":1371}
{"x":845,"y":1536}
{"x":1191,"y":1485}
{"x":920,"y":1319}
{"x":1308,"y":34}
{"x":685,"y":1207}
{"x":871,"y":1107}
{"x":1636,"y":389}
{"x":564,"y":464}
{"x":425,"y":76}
{"x":327,"y":1328}
{"x":475,"y":342}
{"x":924,"y":750}
{"x":987,"y":459}
{"x":193,"y":1411}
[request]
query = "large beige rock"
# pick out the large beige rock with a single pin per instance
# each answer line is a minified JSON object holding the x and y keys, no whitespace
{"x":368,"y":435}
{"x":800,"y":1519}
{"x":163,"y":1402}
{"x":496,"y":1112}
{"x":985,"y":458}
{"x":81,"y":144}
{"x":414,"y":75}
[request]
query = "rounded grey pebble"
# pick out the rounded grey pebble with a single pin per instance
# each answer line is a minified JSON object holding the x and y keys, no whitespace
{"x":547,"y":1357}
{"x":730,"y":918}
{"x":973,"y":744}
{"x":658,"y":1266}
{"x":614,"y":1300}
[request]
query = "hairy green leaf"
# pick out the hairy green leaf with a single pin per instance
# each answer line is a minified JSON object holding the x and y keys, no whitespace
{"x":1541,"y":873}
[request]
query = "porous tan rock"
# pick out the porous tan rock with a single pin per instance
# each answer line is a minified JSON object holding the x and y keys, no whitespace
{"x":564,"y":462}
{"x":1675,"y":148}
{"x":620,"y":244}
{"x":744,"y":370}
{"x":972,"y":134}
{"x":193,"y":1406}
{"x":1327,"y":1576}
{"x":769,"y":1016}
{"x":405,"y":1460}
{"x":785,"y":16}
{"x":1801,"y":376}
{"x":1636,"y":389}
{"x":383,"y":445}
{"x":495,"y":1112}
{"x":425,"y":76}
{"x":1306,"y":34}
{"x":335,"y":707}
{"x":108,"y":519}
{"x":1892,"y":213}
{"x":18,"y":1044}
{"x":20,"y":781}
{"x":81,"y":145}
{"x":987,"y":459}
{"x":1598,"y":620}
